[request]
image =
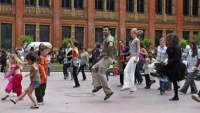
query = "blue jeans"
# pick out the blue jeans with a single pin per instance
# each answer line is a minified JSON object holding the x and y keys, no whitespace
{"x":139,"y":66}
{"x":163,"y":86}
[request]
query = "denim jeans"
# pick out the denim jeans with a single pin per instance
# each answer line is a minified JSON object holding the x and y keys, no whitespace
{"x":139,"y":66}
{"x":163,"y":86}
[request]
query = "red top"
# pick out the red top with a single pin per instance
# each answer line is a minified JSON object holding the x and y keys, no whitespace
{"x":198,"y":63}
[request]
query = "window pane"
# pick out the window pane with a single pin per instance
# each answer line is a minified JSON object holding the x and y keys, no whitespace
{"x":66,"y":32}
{"x":195,"y":7}
{"x":66,"y":4}
{"x":140,"y":6}
{"x":142,"y":36}
{"x":169,"y":31}
{"x":79,"y":35}
{"x":44,"y":33}
{"x":158,"y":37}
{"x":99,"y":35}
{"x":112,"y":31}
{"x":158,"y":7}
{"x":110,"y":5}
{"x":186,"y":7}
{"x":129,"y":6}
{"x":30,"y":30}
{"x":186,"y":35}
{"x":99,"y":5}
{"x":5,"y":1}
{"x":78,"y":4}
{"x":44,"y":3}
{"x":6,"y":36}
{"x":30,"y":2}
{"x":168,"y":7}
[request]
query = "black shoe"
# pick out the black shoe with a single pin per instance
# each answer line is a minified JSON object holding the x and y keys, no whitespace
{"x":108,"y":96}
{"x":159,"y":88}
{"x":120,"y":85}
{"x":174,"y":99}
{"x":140,"y":82}
{"x":76,"y":86}
{"x":83,"y":79}
{"x":152,"y":81}
{"x":96,"y":89}
{"x":154,"y":74}
{"x":147,"y":87}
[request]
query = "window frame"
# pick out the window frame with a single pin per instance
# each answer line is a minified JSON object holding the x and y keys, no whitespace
{"x":195,"y":8}
{"x":44,"y":33}
{"x":68,"y":27}
{"x":159,"y":10}
{"x":186,"y":8}
{"x":80,"y":43}
{"x":186,"y":33}
{"x":34,"y":36}
{"x":168,"y":7}
{"x":29,"y":3}
{"x":6,"y":2}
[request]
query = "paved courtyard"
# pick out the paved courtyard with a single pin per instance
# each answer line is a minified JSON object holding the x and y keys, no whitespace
{"x":62,"y":98}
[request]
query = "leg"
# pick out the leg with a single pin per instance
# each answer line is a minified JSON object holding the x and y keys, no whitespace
{"x":161,"y":87}
{"x":75,"y":76}
{"x":193,"y":85}
{"x":22,"y":95}
{"x":17,"y":84}
{"x":30,"y":91}
{"x":83,"y":71}
{"x":175,"y":98}
{"x":38,"y":93}
{"x":44,"y":85}
{"x":96,"y":79}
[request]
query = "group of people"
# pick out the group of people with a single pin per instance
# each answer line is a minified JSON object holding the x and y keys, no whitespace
{"x":38,"y":76}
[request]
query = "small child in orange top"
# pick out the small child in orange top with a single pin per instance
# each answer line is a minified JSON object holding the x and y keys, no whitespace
{"x":39,"y":90}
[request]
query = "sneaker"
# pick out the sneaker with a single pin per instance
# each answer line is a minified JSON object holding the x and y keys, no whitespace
{"x":195,"y":97}
{"x":96,"y":89}
{"x":108,"y":96}
{"x":147,"y":87}
{"x":14,"y":95}
{"x":152,"y":81}
{"x":119,"y":85}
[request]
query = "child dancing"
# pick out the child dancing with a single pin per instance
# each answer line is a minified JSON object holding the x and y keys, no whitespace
{"x":35,"y":80}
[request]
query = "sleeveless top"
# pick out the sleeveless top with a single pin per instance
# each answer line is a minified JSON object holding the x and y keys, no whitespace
{"x":36,"y":77}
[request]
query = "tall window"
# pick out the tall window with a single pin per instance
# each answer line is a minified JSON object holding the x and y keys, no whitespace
{"x":66,"y":4}
{"x":168,"y":7}
{"x":78,"y":4}
{"x":44,"y":3}
{"x":129,"y":5}
{"x":185,"y":7}
{"x":142,"y":36}
{"x":99,"y":5}
{"x":140,"y":6}
{"x":196,"y":32}
{"x":6,"y":36}
{"x":66,"y":32}
{"x":112,"y":31}
{"x":158,"y":7}
{"x":99,"y":35}
{"x":195,"y":8}
{"x":79,"y":36}
{"x":110,"y":5}
{"x":186,"y":35}
{"x":44,"y":33}
{"x":30,"y":30}
{"x":30,"y":2}
{"x":158,"y":37}
{"x":168,"y":31}
{"x":5,"y":1}
{"x":128,"y":36}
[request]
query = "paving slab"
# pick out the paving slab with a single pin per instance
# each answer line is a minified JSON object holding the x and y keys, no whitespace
{"x":61,"y":97}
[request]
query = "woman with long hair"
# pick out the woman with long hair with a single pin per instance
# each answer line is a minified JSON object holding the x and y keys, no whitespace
{"x":173,"y":64}
{"x":192,"y":69}
{"x":129,"y":71}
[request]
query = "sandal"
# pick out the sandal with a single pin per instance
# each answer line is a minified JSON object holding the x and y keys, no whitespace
{"x":4,"y":98}
{"x":34,"y":107}
{"x":12,"y":100}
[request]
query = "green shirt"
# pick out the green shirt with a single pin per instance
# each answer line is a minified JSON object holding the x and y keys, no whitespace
{"x":109,"y":38}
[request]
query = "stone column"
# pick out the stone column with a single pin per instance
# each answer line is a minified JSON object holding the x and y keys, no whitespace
{"x":151,"y":27}
{"x":73,"y":32}
{"x":37,"y":7}
{"x":179,"y":17}
{"x":190,"y":35}
{"x":105,"y":5}
{"x":19,"y":23}
{"x":135,"y":6}
{"x":190,"y":9}
{"x":90,"y":31}
{"x":164,"y":33}
{"x":37,"y":32}
{"x":122,"y":19}
{"x":57,"y":39}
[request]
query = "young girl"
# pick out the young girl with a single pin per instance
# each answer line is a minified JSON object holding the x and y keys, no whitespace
{"x":35,"y":80}
{"x":15,"y":80}
{"x":146,"y":69}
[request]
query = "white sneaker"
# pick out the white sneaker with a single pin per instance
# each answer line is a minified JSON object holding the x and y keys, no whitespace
{"x":14,"y":95}
{"x":195,"y":97}
{"x":40,"y":103}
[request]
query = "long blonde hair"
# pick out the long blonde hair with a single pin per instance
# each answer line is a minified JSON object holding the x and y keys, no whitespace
{"x":15,"y":59}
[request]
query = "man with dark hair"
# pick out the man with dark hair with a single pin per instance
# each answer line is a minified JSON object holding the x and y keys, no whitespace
{"x":100,"y":68}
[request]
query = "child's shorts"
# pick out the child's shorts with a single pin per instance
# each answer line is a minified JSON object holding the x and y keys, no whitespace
{"x":35,"y":84}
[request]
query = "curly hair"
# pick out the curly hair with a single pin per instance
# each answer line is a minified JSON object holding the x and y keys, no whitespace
{"x":172,"y":39}
{"x":32,"y":56}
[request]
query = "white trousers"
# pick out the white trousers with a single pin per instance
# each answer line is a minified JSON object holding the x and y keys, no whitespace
{"x":129,"y":75}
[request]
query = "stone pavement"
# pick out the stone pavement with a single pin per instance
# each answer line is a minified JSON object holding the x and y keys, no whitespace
{"x":62,"y":98}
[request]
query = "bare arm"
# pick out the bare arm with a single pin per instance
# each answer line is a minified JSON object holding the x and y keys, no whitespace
{"x":110,"y":46}
{"x":35,"y":70}
{"x":138,"y":52}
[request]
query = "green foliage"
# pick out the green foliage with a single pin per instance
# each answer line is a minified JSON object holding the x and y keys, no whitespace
{"x":25,"y":40}
{"x":147,"y":42}
{"x":65,"y":41}
{"x":197,"y":38}
{"x":183,"y":43}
